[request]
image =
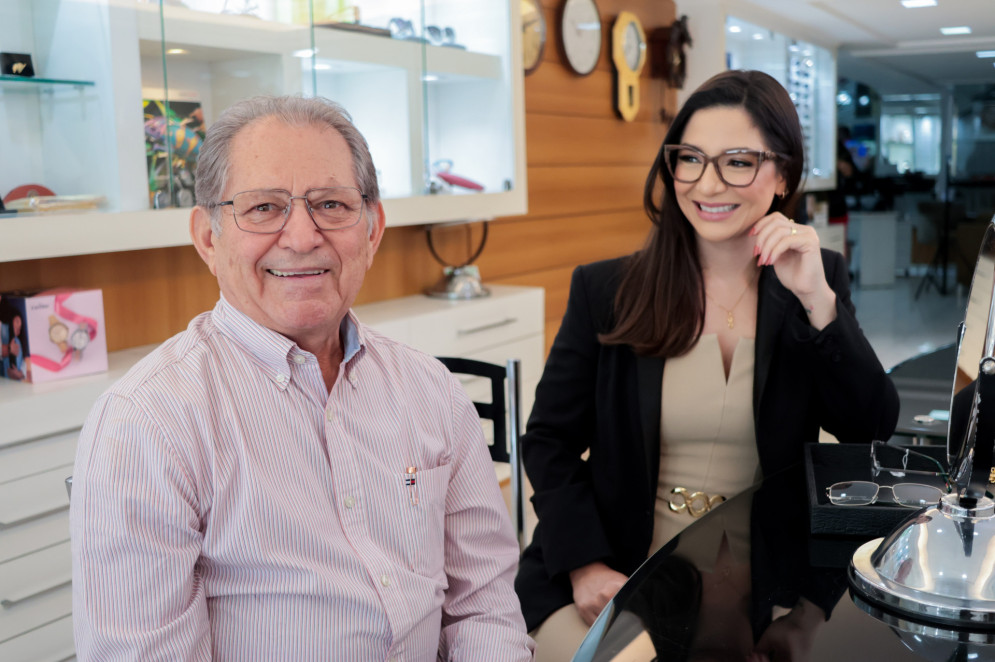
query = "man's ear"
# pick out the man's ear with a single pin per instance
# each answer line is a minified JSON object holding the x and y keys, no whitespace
{"x":203,"y":236}
{"x":376,"y":232}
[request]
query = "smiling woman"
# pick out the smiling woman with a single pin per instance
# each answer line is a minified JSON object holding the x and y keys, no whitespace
{"x":687,"y":370}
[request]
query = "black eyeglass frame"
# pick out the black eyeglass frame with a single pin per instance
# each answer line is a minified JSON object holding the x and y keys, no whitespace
{"x":290,"y":204}
{"x":762,"y":155}
{"x":906,"y":452}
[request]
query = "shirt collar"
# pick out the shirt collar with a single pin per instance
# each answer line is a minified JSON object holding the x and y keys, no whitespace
{"x":273,"y":351}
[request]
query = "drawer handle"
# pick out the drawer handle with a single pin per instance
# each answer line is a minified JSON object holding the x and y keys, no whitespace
{"x":32,"y":517}
{"x":7,"y":603}
{"x":487,"y":327}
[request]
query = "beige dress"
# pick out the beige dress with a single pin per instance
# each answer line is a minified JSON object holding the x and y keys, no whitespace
{"x":707,"y":439}
{"x":707,"y":443}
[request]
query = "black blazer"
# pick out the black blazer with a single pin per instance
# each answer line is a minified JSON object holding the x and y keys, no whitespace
{"x":606,"y":399}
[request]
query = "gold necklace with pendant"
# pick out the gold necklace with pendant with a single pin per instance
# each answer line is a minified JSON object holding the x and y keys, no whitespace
{"x":730,"y":319}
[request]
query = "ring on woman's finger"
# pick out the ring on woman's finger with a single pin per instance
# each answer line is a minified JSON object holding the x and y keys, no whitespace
{"x":794,"y":231}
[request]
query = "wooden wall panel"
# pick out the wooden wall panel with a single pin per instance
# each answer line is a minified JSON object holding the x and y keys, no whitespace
{"x":586,"y":171}
{"x":585,"y":189}
{"x":555,"y":140}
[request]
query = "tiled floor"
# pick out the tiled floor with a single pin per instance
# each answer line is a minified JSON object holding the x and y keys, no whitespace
{"x":899,"y":326}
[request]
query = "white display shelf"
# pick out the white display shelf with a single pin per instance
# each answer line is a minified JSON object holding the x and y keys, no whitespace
{"x":38,"y":236}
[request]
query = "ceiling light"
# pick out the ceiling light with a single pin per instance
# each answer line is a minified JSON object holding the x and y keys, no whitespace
{"x":758,"y":36}
{"x":916,"y":4}
{"x":176,"y":51}
{"x":985,"y":53}
{"x":304,"y":53}
{"x":864,"y":100}
{"x":735,"y":28}
{"x":961,"y":29}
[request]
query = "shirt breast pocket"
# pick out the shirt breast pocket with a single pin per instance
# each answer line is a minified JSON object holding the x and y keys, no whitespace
{"x":425,"y":507}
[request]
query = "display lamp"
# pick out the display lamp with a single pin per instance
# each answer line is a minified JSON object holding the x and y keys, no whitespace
{"x":459,"y":281}
{"x":938,"y":567}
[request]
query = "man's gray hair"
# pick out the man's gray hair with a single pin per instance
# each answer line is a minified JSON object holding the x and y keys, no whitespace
{"x":214,"y":160}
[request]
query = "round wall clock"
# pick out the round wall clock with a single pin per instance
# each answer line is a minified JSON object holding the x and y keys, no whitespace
{"x":629,"y":56}
{"x":533,"y":35}
{"x":580,"y":30}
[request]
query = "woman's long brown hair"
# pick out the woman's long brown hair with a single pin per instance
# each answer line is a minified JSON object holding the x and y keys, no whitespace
{"x":660,"y":303}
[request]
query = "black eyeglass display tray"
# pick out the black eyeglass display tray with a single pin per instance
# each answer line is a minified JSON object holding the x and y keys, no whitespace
{"x":826,"y":464}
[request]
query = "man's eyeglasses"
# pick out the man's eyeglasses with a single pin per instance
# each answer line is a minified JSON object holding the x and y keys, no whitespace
{"x":265,"y":211}
{"x":735,"y":167}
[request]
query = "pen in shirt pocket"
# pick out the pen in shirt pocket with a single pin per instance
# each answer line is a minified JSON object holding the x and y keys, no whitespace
{"x":410,"y":476}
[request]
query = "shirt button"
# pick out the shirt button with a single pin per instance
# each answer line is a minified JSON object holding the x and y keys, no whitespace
{"x":385,"y":580}
{"x":352,"y":378}
{"x":329,"y":415}
{"x":350,"y":502}
{"x":281,"y":379}
{"x":299,"y":360}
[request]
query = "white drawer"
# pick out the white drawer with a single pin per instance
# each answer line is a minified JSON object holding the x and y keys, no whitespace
{"x":27,"y":577}
{"x":34,"y":534}
{"x":396,"y":329}
{"x":29,"y":614}
{"x":19,"y":460}
{"x":466,"y":328}
{"x":52,"y":642}
{"x":32,"y":497}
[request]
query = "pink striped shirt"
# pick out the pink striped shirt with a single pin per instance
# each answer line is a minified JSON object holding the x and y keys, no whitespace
{"x":227,"y":507}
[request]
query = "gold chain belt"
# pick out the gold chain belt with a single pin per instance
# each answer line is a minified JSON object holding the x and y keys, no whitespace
{"x":695,"y":503}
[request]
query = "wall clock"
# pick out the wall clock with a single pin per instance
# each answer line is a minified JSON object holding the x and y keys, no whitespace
{"x":669,"y":59}
{"x":533,"y":35}
{"x":580,"y":30}
{"x":629,"y":56}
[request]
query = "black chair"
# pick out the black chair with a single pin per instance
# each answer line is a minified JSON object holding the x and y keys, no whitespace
{"x":504,"y":410}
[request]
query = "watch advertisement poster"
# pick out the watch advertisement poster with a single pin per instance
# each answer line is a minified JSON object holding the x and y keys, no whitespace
{"x":173,"y":135}
{"x":52,"y":335}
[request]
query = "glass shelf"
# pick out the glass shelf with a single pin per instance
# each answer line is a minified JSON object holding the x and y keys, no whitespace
{"x":5,"y":78}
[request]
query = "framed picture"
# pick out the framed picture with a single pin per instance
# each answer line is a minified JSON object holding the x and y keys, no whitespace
{"x":173,"y":135}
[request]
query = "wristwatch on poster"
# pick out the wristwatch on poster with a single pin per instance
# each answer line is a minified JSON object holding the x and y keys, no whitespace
{"x":58,"y":333}
{"x":79,"y":339}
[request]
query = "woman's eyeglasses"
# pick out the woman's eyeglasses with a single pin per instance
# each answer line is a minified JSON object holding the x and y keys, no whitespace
{"x":735,"y":167}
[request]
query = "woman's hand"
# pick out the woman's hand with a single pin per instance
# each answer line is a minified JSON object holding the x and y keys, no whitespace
{"x":594,"y":585}
{"x":793,"y":250}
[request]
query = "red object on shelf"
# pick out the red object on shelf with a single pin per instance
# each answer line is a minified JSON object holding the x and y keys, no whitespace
{"x":456,"y":180}
{"x":27,"y":191}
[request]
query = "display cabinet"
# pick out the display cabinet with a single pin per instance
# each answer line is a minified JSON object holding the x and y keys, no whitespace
{"x":808,"y":72}
{"x":123,"y":90}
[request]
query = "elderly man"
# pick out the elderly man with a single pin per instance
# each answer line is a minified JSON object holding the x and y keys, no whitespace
{"x":280,"y":482}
